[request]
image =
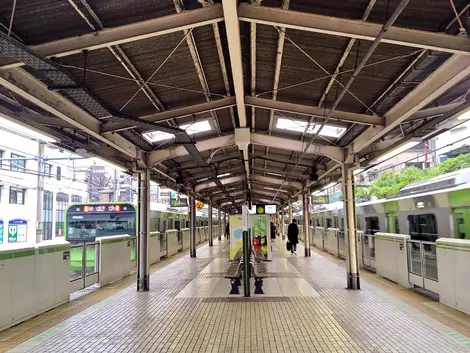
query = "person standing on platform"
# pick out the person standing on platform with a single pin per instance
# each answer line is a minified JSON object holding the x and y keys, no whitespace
{"x":293,"y":236}
{"x":273,"y":231}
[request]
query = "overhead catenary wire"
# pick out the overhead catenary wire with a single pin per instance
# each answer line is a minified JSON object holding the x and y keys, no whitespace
{"x":356,"y":72}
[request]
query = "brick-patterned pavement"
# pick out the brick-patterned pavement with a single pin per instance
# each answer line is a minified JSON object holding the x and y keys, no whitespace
{"x":337,"y":320}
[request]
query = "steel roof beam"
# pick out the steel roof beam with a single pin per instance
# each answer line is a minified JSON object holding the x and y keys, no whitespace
{"x":214,"y":161}
{"x":273,"y":181}
{"x":281,"y":172}
{"x":175,"y":113}
{"x":128,"y":33}
{"x":175,"y":152}
{"x":446,"y":76}
{"x":232,"y":26}
{"x":232,"y":171}
{"x":30,"y":88}
{"x":332,"y":152}
{"x":212,"y":184}
{"x":313,"y":111}
{"x":353,"y":29}
{"x":286,"y":160}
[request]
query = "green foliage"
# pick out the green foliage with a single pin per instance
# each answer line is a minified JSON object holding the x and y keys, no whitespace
{"x":390,"y":183}
{"x":361,"y":193}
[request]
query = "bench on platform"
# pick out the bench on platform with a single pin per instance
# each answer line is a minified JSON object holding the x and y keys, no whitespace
{"x":260,"y":271}
{"x":234,"y":273}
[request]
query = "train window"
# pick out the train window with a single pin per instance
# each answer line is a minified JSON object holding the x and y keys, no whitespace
{"x":372,"y":225}
{"x":177,"y":225}
{"x":329,"y":223}
{"x":335,"y":220}
{"x":342,"y":224}
{"x":317,"y":222}
{"x":423,"y":227}
{"x":358,"y":223}
{"x":188,"y":224}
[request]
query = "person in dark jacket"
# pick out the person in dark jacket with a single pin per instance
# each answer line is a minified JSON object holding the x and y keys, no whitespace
{"x":293,"y":236}
{"x":273,"y":231}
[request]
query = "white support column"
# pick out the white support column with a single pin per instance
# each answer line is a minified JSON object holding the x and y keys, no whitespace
{"x":225,"y":221}
{"x":219,"y":224}
{"x":306,"y":229}
{"x":352,"y":265}
{"x":210,"y":226}
{"x":40,"y":193}
{"x":143,"y":282}
{"x":192,"y":224}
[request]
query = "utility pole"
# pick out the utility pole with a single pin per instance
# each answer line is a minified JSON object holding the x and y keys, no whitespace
{"x":40,"y":191}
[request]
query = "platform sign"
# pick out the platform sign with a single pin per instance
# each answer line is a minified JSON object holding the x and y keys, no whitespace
{"x":260,"y":234}
{"x":17,"y":230}
{"x":236,"y":234}
{"x":1,"y":231}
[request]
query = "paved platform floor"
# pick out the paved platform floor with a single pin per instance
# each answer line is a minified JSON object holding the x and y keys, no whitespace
{"x":180,"y":314}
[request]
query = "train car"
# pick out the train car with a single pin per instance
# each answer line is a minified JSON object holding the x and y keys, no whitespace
{"x":84,"y":222}
{"x":426,"y":210}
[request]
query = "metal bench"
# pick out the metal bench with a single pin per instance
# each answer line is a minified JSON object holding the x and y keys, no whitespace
{"x":260,"y":271}
{"x":234,"y":273}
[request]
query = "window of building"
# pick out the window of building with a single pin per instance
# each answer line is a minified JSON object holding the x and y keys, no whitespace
{"x":76,"y":199}
{"x":17,"y":196}
{"x":2,"y":153}
{"x":19,"y":164}
{"x":372,"y":225}
{"x":62,"y":201}
{"x":423,"y":227}
{"x":47,"y":215}
{"x":59,"y":173}
{"x":47,"y":170}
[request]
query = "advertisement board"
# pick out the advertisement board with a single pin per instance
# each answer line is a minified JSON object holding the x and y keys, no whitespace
{"x":260,"y":234}
{"x":17,"y":230}
{"x":236,"y":234}
{"x":1,"y":231}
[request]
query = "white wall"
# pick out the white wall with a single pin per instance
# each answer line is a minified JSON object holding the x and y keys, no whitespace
{"x":12,"y":142}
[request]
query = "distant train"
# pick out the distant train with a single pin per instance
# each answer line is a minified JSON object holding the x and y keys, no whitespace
{"x":426,"y":210}
{"x":85,"y":222}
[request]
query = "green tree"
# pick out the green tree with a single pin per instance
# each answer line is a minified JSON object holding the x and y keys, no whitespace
{"x":390,"y":183}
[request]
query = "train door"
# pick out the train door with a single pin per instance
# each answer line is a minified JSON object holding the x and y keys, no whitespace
{"x":461,"y":222}
{"x":392,"y":223}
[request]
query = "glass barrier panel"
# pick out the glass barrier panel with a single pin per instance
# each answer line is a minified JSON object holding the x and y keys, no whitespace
{"x":430,"y":261}
{"x":341,"y":241}
{"x":76,"y":262}
{"x":414,"y":255}
{"x":163,"y":242}
{"x":91,"y":259}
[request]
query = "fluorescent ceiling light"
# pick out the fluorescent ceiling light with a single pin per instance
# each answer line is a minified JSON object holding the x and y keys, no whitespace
{"x":268,"y":188}
{"x":406,"y":146}
{"x":223,"y":175}
{"x":196,"y":128}
{"x":275,"y":174}
{"x":24,"y":130}
{"x":191,"y":129}
{"x":156,"y":136}
{"x":300,"y":126}
{"x":204,"y":179}
{"x":464,"y":116}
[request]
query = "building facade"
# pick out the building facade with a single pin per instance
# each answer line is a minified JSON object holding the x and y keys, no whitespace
{"x":64,"y":184}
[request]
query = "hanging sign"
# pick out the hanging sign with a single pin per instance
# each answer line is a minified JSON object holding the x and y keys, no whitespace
{"x":199,"y":205}
{"x":1,"y":231}
{"x":17,"y":230}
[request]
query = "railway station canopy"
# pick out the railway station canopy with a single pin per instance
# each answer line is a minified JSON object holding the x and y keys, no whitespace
{"x":223,"y":97}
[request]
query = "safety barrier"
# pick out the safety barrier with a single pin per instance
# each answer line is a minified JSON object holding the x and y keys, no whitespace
{"x":33,"y":279}
{"x":115,"y":258}
{"x":84,"y":265}
{"x":185,"y":233}
{"x":154,"y":247}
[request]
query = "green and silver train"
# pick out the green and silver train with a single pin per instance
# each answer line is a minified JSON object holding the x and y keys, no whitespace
{"x":426,"y":210}
{"x":85,"y":222}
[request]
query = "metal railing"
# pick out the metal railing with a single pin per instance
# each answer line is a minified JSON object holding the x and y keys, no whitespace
{"x":422,"y":259}
{"x":84,"y":260}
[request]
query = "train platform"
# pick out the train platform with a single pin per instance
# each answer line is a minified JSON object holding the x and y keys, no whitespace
{"x":306,"y":308}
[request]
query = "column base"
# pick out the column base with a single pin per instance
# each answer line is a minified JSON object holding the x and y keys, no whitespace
{"x":307,"y":252}
{"x":192,"y":253}
{"x":354,"y":281}
{"x":211,"y":243}
{"x":143,"y":284}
